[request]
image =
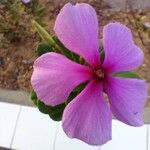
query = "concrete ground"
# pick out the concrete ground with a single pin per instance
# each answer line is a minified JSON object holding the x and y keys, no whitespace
{"x":16,"y":97}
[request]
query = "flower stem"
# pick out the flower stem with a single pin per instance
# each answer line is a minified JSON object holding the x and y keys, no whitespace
{"x":45,"y":35}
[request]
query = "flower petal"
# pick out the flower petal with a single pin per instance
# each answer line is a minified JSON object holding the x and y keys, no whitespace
{"x":127,"y":98}
{"x":121,"y":54}
{"x":77,"y":28}
{"x":88,"y":117}
{"x":55,"y":76}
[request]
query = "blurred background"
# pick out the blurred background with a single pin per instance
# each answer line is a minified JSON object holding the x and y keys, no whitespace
{"x":18,"y":43}
{"x":18,"y":40}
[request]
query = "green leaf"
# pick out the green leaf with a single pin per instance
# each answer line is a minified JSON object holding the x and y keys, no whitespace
{"x":43,"y":108}
{"x":127,"y":74}
{"x":43,"y":48}
{"x":43,"y":33}
{"x":102,"y":56}
{"x":34,"y":97}
{"x":75,"y":92}
{"x":55,"y":112}
{"x":80,"y":87}
{"x":65,"y":51}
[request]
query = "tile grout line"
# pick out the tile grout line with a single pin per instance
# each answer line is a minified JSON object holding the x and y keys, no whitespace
{"x":54,"y":142}
{"x":14,"y":132}
{"x":99,"y":148}
{"x":147,"y":138}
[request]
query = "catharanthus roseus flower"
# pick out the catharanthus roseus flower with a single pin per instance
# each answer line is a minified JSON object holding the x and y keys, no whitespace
{"x":88,"y":116}
{"x":147,"y":24}
{"x":26,"y":1}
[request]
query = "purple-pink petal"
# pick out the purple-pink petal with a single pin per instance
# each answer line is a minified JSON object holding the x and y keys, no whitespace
{"x":127,"y":98}
{"x":88,"y":117}
{"x":55,"y":76}
{"x":77,"y":28}
{"x":26,"y":1}
{"x":121,"y":54}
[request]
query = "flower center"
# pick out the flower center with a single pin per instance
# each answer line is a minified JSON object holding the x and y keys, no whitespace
{"x":100,"y":74}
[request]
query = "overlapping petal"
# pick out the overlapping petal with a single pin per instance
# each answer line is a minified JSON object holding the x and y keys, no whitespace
{"x":55,"y":76}
{"x":121,"y":54}
{"x":77,"y":28}
{"x":127,"y":98}
{"x":88,"y":117}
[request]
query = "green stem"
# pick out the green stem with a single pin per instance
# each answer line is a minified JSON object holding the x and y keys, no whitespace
{"x":45,"y":35}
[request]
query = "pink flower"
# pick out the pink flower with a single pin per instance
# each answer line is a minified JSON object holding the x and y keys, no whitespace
{"x":88,"y":116}
{"x":26,"y":1}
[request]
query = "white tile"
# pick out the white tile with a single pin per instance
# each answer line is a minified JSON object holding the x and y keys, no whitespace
{"x":35,"y":131}
{"x":148,"y":137}
{"x":8,"y":118}
{"x":64,"y":143}
{"x":125,"y":137}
